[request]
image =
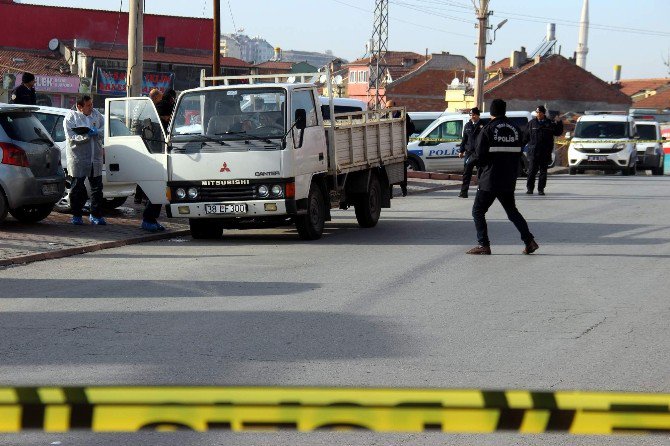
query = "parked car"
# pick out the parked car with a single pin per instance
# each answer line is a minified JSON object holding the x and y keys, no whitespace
{"x":604,"y":142}
{"x":422,"y":120}
{"x":114,"y":194}
{"x":31,"y":177}
{"x":650,"y":154}
{"x":437,"y":146}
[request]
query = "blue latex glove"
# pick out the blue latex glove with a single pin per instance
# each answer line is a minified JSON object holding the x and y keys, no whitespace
{"x":93,"y":131}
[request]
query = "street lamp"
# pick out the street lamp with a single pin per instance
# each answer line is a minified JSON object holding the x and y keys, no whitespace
{"x":500,"y":25}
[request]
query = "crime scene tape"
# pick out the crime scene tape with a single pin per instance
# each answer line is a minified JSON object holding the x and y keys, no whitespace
{"x":131,"y":409}
{"x":557,"y":141}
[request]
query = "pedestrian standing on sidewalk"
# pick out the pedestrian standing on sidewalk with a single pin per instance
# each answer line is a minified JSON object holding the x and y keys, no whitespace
{"x":497,"y":153}
{"x":539,"y":136}
{"x":467,"y":149}
{"x":25,"y":93}
{"x":84,"y":128}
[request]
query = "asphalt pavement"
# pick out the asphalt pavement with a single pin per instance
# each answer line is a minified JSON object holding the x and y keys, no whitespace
{"x":399,"y":305}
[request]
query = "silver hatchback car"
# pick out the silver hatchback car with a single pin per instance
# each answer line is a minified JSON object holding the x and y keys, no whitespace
{"x":31,"y":177}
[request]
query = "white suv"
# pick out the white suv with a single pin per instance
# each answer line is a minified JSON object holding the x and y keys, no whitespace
{"x":603,"y":142}
{"x":115,"y":194}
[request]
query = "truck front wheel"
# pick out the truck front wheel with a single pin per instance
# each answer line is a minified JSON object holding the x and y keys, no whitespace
{"x":203,"y":228}
{"x":310,"y":226}
{"x":368,"y":208}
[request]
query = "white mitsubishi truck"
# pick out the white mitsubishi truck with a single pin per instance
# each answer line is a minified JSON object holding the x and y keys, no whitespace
{"x":257,"y":154}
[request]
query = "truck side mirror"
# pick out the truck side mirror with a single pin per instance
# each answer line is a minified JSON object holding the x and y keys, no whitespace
{"x":300,"y":119}
{"x":664,"y":138}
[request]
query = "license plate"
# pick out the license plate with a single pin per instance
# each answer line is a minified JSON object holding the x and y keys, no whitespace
{"x":597,"y":158}
{"x":50,"y":189}
{"x":226,"y":208}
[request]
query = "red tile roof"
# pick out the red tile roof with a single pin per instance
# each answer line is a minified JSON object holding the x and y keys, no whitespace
{"x":633,"y":86}
{"x":40,"y":63}
{"x":275,"y":65}
{"x":659,"y":101}
{"x":504,"y":63}
{"x":173,"y":58}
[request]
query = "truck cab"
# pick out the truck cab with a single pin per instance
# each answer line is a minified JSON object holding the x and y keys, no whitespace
{"x":252,"y":155}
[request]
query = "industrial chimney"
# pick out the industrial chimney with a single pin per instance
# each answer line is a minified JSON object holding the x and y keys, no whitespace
{"x":277,"y":56}
{"x":617,"y":74}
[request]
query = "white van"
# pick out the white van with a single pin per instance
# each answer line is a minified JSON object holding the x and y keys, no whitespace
{"x":603,"y":142}
{"x":422,"y":120}
{"x":437,"y":147}
{"x":650,"y":153}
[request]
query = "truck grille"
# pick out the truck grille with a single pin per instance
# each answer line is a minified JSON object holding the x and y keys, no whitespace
{"x":598,"y":151}
{"x":227,"y":193}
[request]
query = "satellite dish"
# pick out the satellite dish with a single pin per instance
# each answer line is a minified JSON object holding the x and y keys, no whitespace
{"x":53,"y":44}
{"x":338,"y":80}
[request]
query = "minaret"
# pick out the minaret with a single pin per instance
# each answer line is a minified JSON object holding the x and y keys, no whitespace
{"x":582,"y":45}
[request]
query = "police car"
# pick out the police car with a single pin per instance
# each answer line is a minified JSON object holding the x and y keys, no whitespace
{"x":437,"y":147}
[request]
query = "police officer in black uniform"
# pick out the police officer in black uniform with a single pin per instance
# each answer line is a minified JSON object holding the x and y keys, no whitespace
{"x":25,"y":93}
{"x":467,"y":149}
{"x":497,"y":153}
{"x":539,"y":136}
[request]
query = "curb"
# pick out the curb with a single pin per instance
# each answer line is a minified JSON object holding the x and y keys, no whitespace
{"x":68,"y":252}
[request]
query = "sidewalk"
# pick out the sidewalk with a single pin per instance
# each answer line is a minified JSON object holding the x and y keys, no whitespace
{"x":56,"y":237}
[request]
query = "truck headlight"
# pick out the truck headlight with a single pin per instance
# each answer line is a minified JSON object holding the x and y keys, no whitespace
{"x":192,"y":193}
{"x":263,"y":191}
{"x":180,"y":193}
{"x":277,"y":191}
{"x":619,"y":146}
{"x":577,"y":147}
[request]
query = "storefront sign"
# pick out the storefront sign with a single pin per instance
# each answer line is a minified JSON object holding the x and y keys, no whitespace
{"x":112,"y":82}
{"x":53,"y":84}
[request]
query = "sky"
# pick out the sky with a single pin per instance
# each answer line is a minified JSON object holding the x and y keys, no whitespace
{"x":630,"y":33}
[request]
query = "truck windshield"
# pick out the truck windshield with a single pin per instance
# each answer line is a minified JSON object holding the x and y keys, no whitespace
{"x":601,"y":130}
{"x":230,"y":114}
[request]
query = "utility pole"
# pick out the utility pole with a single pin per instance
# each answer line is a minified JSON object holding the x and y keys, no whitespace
{"x":135,"y":48}
{"x":480,"y":71}
{"x":216,"y":49}
{"x":379,"y":41}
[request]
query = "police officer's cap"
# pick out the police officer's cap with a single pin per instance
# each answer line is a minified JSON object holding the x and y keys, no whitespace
{"x":27,"y":77}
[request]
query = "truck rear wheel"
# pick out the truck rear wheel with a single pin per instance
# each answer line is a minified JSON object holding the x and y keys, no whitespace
{"x":203,"y":228}
{"x":659,"y":170}
{"x":368,"y":208}
{"x":310,"y":226}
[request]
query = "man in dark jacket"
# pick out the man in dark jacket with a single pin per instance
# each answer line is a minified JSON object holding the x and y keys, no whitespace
{"x":467,"y":149}
{"x":539,"y":136}
{"x":25,"y":93}
{"x":497,"y":153}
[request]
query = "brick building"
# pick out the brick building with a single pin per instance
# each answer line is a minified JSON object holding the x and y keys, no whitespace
{"x":414,"y":81}
{"x":552,"y":80}
{"x":422,"y":89}
{"x":89,"y":43}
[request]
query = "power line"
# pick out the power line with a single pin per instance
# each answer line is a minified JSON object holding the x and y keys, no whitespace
{"x":419,"y":25}
{"x":231,"y":16}
{"x":421,"y":7}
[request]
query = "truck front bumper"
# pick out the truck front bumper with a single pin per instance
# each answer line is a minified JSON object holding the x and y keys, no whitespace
{"x":256,"y":208}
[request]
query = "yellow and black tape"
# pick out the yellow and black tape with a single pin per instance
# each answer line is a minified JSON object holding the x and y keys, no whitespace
{"x":557,"y":141}
{"x":130,"y":409}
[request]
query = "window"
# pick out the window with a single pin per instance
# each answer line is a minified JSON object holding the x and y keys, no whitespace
{"x":131,"y":117}
{"x":447,"y":130}
{"x":304,"y":99}
{"x":352,"y":77}
{"x":48,"y":121}
{"x":58,"y":133}
{"x":647,"y":132}
{"x":24,"y":127}
{"x":601,"y":129}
